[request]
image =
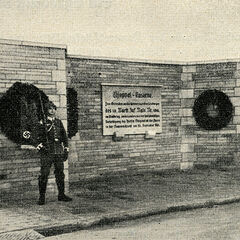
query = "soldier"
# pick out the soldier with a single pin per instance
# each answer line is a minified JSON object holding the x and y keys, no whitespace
{"x":53,"y":148}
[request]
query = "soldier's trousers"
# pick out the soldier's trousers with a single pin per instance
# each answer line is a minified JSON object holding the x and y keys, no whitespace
{"x":46,"y":164}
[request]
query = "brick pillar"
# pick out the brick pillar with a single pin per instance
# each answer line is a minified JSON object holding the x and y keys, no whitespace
{"x":236,"y":99}
{"x":187,"y":120}
{"x":236,"y":116}
{"x":59,"y":76}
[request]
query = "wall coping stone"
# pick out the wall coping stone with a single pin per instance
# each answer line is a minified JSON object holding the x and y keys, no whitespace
{"x":185,"y":63}
{"x":32,"y":44}
{"x":126,"y":59}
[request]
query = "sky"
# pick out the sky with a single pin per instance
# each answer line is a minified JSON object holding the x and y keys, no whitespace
{"x":169,"y":30}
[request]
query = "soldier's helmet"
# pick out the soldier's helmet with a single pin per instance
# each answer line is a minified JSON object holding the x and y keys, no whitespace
{"x":50,"y":104}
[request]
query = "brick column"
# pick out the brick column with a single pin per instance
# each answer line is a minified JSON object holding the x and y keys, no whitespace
{"x":59,"y":76}
{"x":187,"y":120}
{"x":236,"y":99}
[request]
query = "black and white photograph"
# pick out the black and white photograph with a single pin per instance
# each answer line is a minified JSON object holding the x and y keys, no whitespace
{"x":119,"y":120}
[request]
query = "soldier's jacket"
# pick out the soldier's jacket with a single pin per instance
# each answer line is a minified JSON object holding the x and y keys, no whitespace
{"x":56,"y":138}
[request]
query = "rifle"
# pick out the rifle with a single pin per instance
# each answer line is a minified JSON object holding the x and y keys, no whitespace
{"x":44,"y":121}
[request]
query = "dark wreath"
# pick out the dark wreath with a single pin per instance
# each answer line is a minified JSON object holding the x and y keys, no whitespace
{"x":11,"y":106}
{"x":72,"y":112}
{"x":212,"y":110}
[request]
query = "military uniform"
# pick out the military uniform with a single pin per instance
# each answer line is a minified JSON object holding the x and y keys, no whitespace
{"x":53,"y":148}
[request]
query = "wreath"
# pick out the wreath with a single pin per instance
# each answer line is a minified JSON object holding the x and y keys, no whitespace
{"x":72,"y":112}
{"x":212,"y":110}
{"x":21,"y":107}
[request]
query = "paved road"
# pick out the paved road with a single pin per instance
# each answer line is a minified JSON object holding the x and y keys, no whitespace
{"x":222,"y":222}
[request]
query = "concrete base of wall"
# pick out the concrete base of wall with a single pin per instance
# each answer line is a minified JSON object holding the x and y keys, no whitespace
{"x":186,"y":165}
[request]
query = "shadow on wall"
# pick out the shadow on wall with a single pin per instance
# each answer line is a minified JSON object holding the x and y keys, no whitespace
{"x":222,"y":163}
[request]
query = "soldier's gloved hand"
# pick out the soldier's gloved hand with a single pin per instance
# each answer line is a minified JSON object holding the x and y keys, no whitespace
{"x":66,"y":149}
{"x":39,"y":146}
{"x":65,"y":155}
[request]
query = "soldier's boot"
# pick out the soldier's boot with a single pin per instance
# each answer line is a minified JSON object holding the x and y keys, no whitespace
{"x":61,"y":194}
{"x":41,"y":200}
{"x":42,"y":184}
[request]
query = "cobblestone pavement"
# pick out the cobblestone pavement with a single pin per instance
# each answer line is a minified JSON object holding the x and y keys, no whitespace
{"x":12,"y":220}
{"x":21,"y":235}
{"x":119,"y":197}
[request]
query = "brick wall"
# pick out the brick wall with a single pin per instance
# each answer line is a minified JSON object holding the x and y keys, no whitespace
{"x":97,"y":154}
{"x":180,"y":145}
{"x":210,"y":147}
{"x":44,"y":66}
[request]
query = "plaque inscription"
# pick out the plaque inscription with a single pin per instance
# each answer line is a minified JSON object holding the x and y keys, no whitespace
{"x":131,"y":109}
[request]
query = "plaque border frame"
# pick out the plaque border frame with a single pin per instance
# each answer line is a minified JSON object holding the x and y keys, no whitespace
{"x":128,"y":85}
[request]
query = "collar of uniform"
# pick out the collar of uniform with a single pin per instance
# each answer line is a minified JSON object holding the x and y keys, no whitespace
{"x":51,"y":118}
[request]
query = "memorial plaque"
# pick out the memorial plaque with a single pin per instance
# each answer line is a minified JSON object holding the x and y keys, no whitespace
{"x":131,"y":109}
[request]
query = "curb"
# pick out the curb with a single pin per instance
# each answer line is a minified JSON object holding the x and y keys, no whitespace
{"x":126,"y":216}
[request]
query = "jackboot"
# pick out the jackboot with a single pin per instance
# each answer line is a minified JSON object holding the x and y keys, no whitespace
{"x":61,"y":194}
{"x":64,"y":198}
{"x":41,"y":200}
{"x":42,"y":184}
